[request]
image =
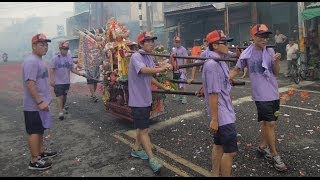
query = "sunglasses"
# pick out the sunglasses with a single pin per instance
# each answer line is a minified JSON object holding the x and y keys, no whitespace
{"x":263,"y":36}
{"x":224,"y":43}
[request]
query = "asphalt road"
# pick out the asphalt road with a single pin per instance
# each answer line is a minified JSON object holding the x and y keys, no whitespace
{"x":92,"y":142}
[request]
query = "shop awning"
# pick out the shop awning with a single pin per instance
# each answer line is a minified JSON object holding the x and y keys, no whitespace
{"x":310,"y":13}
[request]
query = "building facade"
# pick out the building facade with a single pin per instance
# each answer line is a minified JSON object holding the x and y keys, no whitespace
{"x":193,"y":20}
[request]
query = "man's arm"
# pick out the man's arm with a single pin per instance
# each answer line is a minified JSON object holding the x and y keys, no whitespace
{"x":284,"y":38}
{"x":31,"y":87}
{"x":234,"y":72}
{"x":276,"y":64}
{"x":51,"y":76}
{"x":213,"y":104}
{"x":149,"y":70}
{"x":158,"y":84}
{"x":193,"y":75}
{"x":75,"y":71}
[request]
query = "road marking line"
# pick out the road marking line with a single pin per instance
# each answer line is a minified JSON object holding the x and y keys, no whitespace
{"x":317,"y":92}
{"x":294,"y":107}
{"x":281,"y":90}
{"x":167,"y":165}
{"x":177,"y":158}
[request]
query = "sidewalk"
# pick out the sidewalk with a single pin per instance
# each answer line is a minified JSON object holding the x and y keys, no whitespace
{"x":75,"y":78}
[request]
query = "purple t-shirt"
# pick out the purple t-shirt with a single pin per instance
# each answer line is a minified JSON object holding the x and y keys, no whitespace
{"x":262,"y":88}
{"x":62,"y":66}
{"x":215,"y":78}
{"x":181,"y":51}
{"x":139,"y":84}
{"x":34,"y":68}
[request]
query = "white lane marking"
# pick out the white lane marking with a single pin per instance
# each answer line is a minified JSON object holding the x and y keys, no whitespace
{"x":165,"y":123}
{"x":281,"y":90}
{"x":316,"y":92}
{"x":300,"y":108}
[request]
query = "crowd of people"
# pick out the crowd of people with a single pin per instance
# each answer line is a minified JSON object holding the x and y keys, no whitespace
{"x":260,"y":62}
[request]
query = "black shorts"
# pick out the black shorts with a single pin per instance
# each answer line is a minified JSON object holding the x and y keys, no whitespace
{"x":61,"y":89}
{"x":91,"y":81}
{"x":176,"y":76}
{"x":227,"y":138}
{"x":141,"y":117}
{"x":268,"y":110}
{"x":33,"y":122}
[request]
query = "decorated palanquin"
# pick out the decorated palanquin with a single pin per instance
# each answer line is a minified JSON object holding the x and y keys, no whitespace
{"x":114,"y":71}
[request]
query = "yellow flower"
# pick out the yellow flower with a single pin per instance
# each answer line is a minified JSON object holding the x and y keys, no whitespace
{"x":277,"y":113}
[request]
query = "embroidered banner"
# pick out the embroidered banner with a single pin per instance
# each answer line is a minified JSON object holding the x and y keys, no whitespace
{"x":90,"y":55}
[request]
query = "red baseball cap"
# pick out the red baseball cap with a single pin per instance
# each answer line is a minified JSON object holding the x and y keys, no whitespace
{"x":146,"y":36}
{"x":40,"y":38}
{"x":217,"y":35}
{"x":64,"y":45}
{"x":177,"y":38}
{"x":260,"y":29}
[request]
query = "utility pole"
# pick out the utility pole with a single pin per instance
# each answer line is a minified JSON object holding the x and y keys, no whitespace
{"x":254,"y":18}
{"x":90,"y":15}
{"x":151,"y":13}
{"x":148,"y":4}
{"x":302,"y":32}
{"x":226,"y":19}
{"x":140,"y":16}
{"x":102,"y":14}
{"x":179,"y":28}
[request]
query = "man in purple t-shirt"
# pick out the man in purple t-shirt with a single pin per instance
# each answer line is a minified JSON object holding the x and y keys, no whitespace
{"x":180,"y":74}
{"x":216,"y":86}
{"x":36,"y":100}
{"x":141,"y":68}
{"x":60,"y":68}
{"x":263,"y":66}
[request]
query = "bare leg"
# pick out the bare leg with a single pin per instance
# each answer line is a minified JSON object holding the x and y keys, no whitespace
{"x":91,"y":89}
{"x":145,"y":141}
{"x":41,"y":147}
{"x":95,"y":88}
{"x":226,"y":164}
{"x":64,"y":101}
{"x":184,"y":97}
{"x":137,"y":143}
{"x":60,"y":103}
{"x":34,"y":144}
{"x":263,"y":136}
{"x":217,"y":152}
{"x":271,"y":137}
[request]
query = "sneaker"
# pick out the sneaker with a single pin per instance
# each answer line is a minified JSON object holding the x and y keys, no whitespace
{"x":264,"y":153}
{"x":61,"y":116}
{"x":94,"y":98}
{"x":46,"y":155}
{"x":66,"y":107}
{"x":65,"y":110}
{"x":184,"y":100}
{"x":278,"y":163}
{"x":139,"y":153}
{"x":155,"y":164}
{"x":40,"y":165}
